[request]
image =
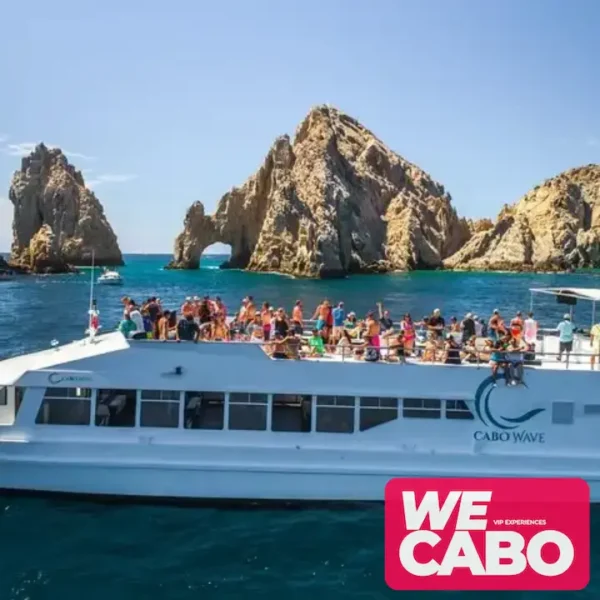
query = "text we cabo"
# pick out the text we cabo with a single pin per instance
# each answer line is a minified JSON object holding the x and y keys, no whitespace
{"x":487,"y":534}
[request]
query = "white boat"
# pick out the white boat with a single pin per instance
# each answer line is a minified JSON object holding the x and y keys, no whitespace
{"x":109,"y":277}
{"x":225,"y":421}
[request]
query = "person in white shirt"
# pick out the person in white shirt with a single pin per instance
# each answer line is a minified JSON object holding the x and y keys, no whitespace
{"x":565,"y":336}
{"x":136,"y":317}
{"x":530,"y":329}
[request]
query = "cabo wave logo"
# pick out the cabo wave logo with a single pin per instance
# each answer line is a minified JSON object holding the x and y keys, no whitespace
{"x":56,"y":378}
{"x":504,"y":426}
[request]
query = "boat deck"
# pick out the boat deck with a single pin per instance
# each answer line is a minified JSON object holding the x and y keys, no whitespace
{"x":12,"y":369}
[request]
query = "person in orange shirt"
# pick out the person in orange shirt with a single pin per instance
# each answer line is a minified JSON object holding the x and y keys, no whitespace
{"x":297,"y":318}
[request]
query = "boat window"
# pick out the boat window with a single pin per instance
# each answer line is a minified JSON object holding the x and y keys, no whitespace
{"x":65,"y":406}
{"x":421,"y":408}
{"x":458,"y":409}
{"x":116,"y":408}
{"x":335,"y":414}
{"x":19,"y":393}
{"x":3,"y":396}
{"x":159,"y":408}
{"x":591,"y":409}
{"x":204,"y":410}
{"x":291,"y":412}
{"x":563,"y":413}
{"x":248,"y":412}
{"x":376,"y":411}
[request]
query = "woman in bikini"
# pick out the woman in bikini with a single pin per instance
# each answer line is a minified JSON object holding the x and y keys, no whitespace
{"x":219,"y":332}
{"x":265,"y":315}
{"x":408,"y":328}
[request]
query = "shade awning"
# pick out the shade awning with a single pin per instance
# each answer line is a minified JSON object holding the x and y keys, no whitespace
{"x":591,"y":294}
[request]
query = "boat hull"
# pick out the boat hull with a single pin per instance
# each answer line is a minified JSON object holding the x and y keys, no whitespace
{"x":239,"y":483}
{"x":109,"y":282}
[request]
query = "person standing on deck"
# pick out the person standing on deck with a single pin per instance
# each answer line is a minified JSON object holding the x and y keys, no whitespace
{"x":250,"y":312}
{"x":136,"y":317}
{"x":436,"y":324}
{"x":516,"y":326}
{"x":467,"y":327}
{"x":496,"y":327}
{"x":265,"y":317}
{"x":339,"y":316}
{"x":297,"y":318}
{"x":530,"y":330}
{"x":565,"y":337}
{"x":595,"y":343}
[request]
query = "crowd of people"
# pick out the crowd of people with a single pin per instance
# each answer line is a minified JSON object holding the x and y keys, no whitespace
{"x":330,"y":330}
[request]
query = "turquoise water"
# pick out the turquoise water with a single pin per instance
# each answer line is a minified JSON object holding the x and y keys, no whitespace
{"x":58,"y":549}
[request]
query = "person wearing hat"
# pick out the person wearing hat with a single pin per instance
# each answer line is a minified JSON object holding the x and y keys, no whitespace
{"x":565,"y":336}
{"x":436,"y":324}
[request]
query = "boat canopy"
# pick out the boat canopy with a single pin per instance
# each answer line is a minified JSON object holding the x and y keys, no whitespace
{"x":591,"y":294}
{"x":570,"y":296}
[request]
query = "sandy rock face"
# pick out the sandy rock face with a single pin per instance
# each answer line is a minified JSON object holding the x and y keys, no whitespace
{"x":57,"y":222}
{"x":556,"y":226}
{"x":335,"y":201}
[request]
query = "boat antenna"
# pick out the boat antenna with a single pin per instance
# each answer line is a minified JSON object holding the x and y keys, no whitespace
{"x":92,"y":286}
{"x":92,"y":310}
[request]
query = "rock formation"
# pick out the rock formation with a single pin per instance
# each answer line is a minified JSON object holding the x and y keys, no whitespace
{"x":4,"y":266}
{"x":554,"y":227}
{"x":57,"y":222}
{"x":334,"y":201}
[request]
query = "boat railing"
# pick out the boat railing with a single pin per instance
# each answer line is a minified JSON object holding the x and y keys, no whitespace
{"x":388,"y":353}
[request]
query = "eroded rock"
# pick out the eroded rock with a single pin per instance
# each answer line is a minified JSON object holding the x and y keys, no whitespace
{"x":57,"y":221}
{"x":555,"y":227}
{"x":335,"y":201}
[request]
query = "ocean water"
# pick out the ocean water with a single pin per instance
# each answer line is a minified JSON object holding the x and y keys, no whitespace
{"x":63,"y":549}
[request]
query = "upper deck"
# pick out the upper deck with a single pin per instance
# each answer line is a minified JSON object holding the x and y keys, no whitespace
{"x":228,"y":353}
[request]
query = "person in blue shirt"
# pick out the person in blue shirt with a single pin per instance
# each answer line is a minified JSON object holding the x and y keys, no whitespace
{"x":339,"y":316}
{"x":565,"y":336}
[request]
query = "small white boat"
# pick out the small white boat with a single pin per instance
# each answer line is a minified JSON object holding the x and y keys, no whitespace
{"x":110,"y":278}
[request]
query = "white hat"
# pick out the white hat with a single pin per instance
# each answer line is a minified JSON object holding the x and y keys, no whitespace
{"x":567,"y":316}
{"x":468,"y":316}
{"x":436,"y":311}
{"x":188,"y":299}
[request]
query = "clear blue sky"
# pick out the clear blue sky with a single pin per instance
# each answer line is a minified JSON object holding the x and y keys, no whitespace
{"x":174,"y":102}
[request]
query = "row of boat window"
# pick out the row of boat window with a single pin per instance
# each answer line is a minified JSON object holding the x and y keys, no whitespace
{"x":243,"y":411}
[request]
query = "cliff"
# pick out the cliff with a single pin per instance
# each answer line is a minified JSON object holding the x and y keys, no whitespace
{"x":556,"y":226}
{"x":334,"y":201}
{"x":57,"y":222}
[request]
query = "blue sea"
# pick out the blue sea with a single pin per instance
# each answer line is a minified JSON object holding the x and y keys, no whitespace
{"x":59,"y":549}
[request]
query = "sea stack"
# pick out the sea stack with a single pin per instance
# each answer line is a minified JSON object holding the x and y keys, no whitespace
{"x":58,"y":222}
{"x":334,"y":201}
{"x":555,"y":227}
